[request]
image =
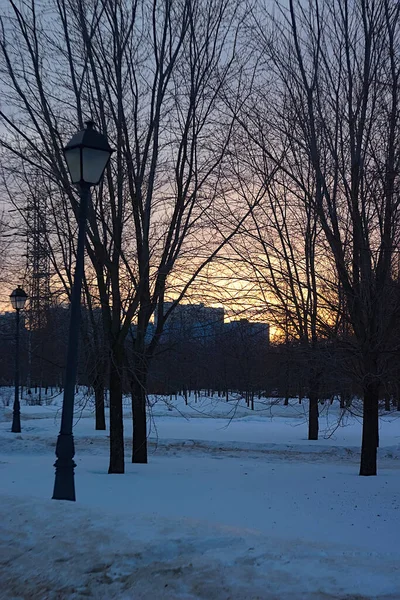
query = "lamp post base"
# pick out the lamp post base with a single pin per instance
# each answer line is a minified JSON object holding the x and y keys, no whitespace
{"x":16,"y":422}
{"x":64,"y":484}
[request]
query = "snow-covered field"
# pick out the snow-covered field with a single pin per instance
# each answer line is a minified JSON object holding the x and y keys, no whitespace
{"x":233,"y":504}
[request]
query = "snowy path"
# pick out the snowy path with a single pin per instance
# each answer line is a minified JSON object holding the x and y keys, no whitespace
{"x":199,"y":528}
{"x":311,"y":502}
{"x":199,"y":523}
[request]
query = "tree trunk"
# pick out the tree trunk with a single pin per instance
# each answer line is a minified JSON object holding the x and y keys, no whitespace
{"x":138,"y":387}
{"x":117,"y":464}
{"x":387,"y":402}
{"x":99,"y":403}
{"x":313,"y":424}
{"x":370,"y":431}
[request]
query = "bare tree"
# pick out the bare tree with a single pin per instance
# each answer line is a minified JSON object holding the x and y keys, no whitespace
{"x":150,"y":74}
{"x":4,"y":243}
{"x":282,"y":246}
{"x":335,"y":110}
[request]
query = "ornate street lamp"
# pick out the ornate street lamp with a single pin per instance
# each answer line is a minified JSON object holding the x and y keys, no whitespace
{"x":86,"y":155}
{"x":18,"y":299}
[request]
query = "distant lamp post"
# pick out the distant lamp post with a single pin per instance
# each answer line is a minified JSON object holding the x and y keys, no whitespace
{"x":18,"y":299}
{"x":86,"y":155}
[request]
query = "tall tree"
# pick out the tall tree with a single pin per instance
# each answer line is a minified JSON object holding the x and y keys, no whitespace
{"x":150,"y":74}
{"x":281,"y":246}
{"x":335,"y":110}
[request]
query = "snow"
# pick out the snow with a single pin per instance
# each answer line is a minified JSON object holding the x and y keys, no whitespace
{"x":226,"y":509}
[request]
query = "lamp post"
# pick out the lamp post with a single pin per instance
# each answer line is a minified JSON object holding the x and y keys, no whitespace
{"x":86,"y":155}
{"x":18,"y":298}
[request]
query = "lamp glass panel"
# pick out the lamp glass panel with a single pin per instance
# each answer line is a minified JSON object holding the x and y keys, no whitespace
{"x":18,"y":299}
{"x":73,"y":158}
{"x":93,"y":164}
{"x":20,"y":302}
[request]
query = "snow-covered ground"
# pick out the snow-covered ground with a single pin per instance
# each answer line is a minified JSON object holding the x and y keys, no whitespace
{"x":233,"y":504}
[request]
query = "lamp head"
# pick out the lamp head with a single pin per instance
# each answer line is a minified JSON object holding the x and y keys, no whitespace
{"x":87,"y":154}
{"x":18,"y":298}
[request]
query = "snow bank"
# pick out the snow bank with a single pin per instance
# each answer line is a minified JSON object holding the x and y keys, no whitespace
{"x":227,"y":509}
{"x":61,"y":551}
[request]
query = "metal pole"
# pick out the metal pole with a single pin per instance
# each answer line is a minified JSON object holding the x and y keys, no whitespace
{"x":64,"y":485}
{"x":16,"y":423}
